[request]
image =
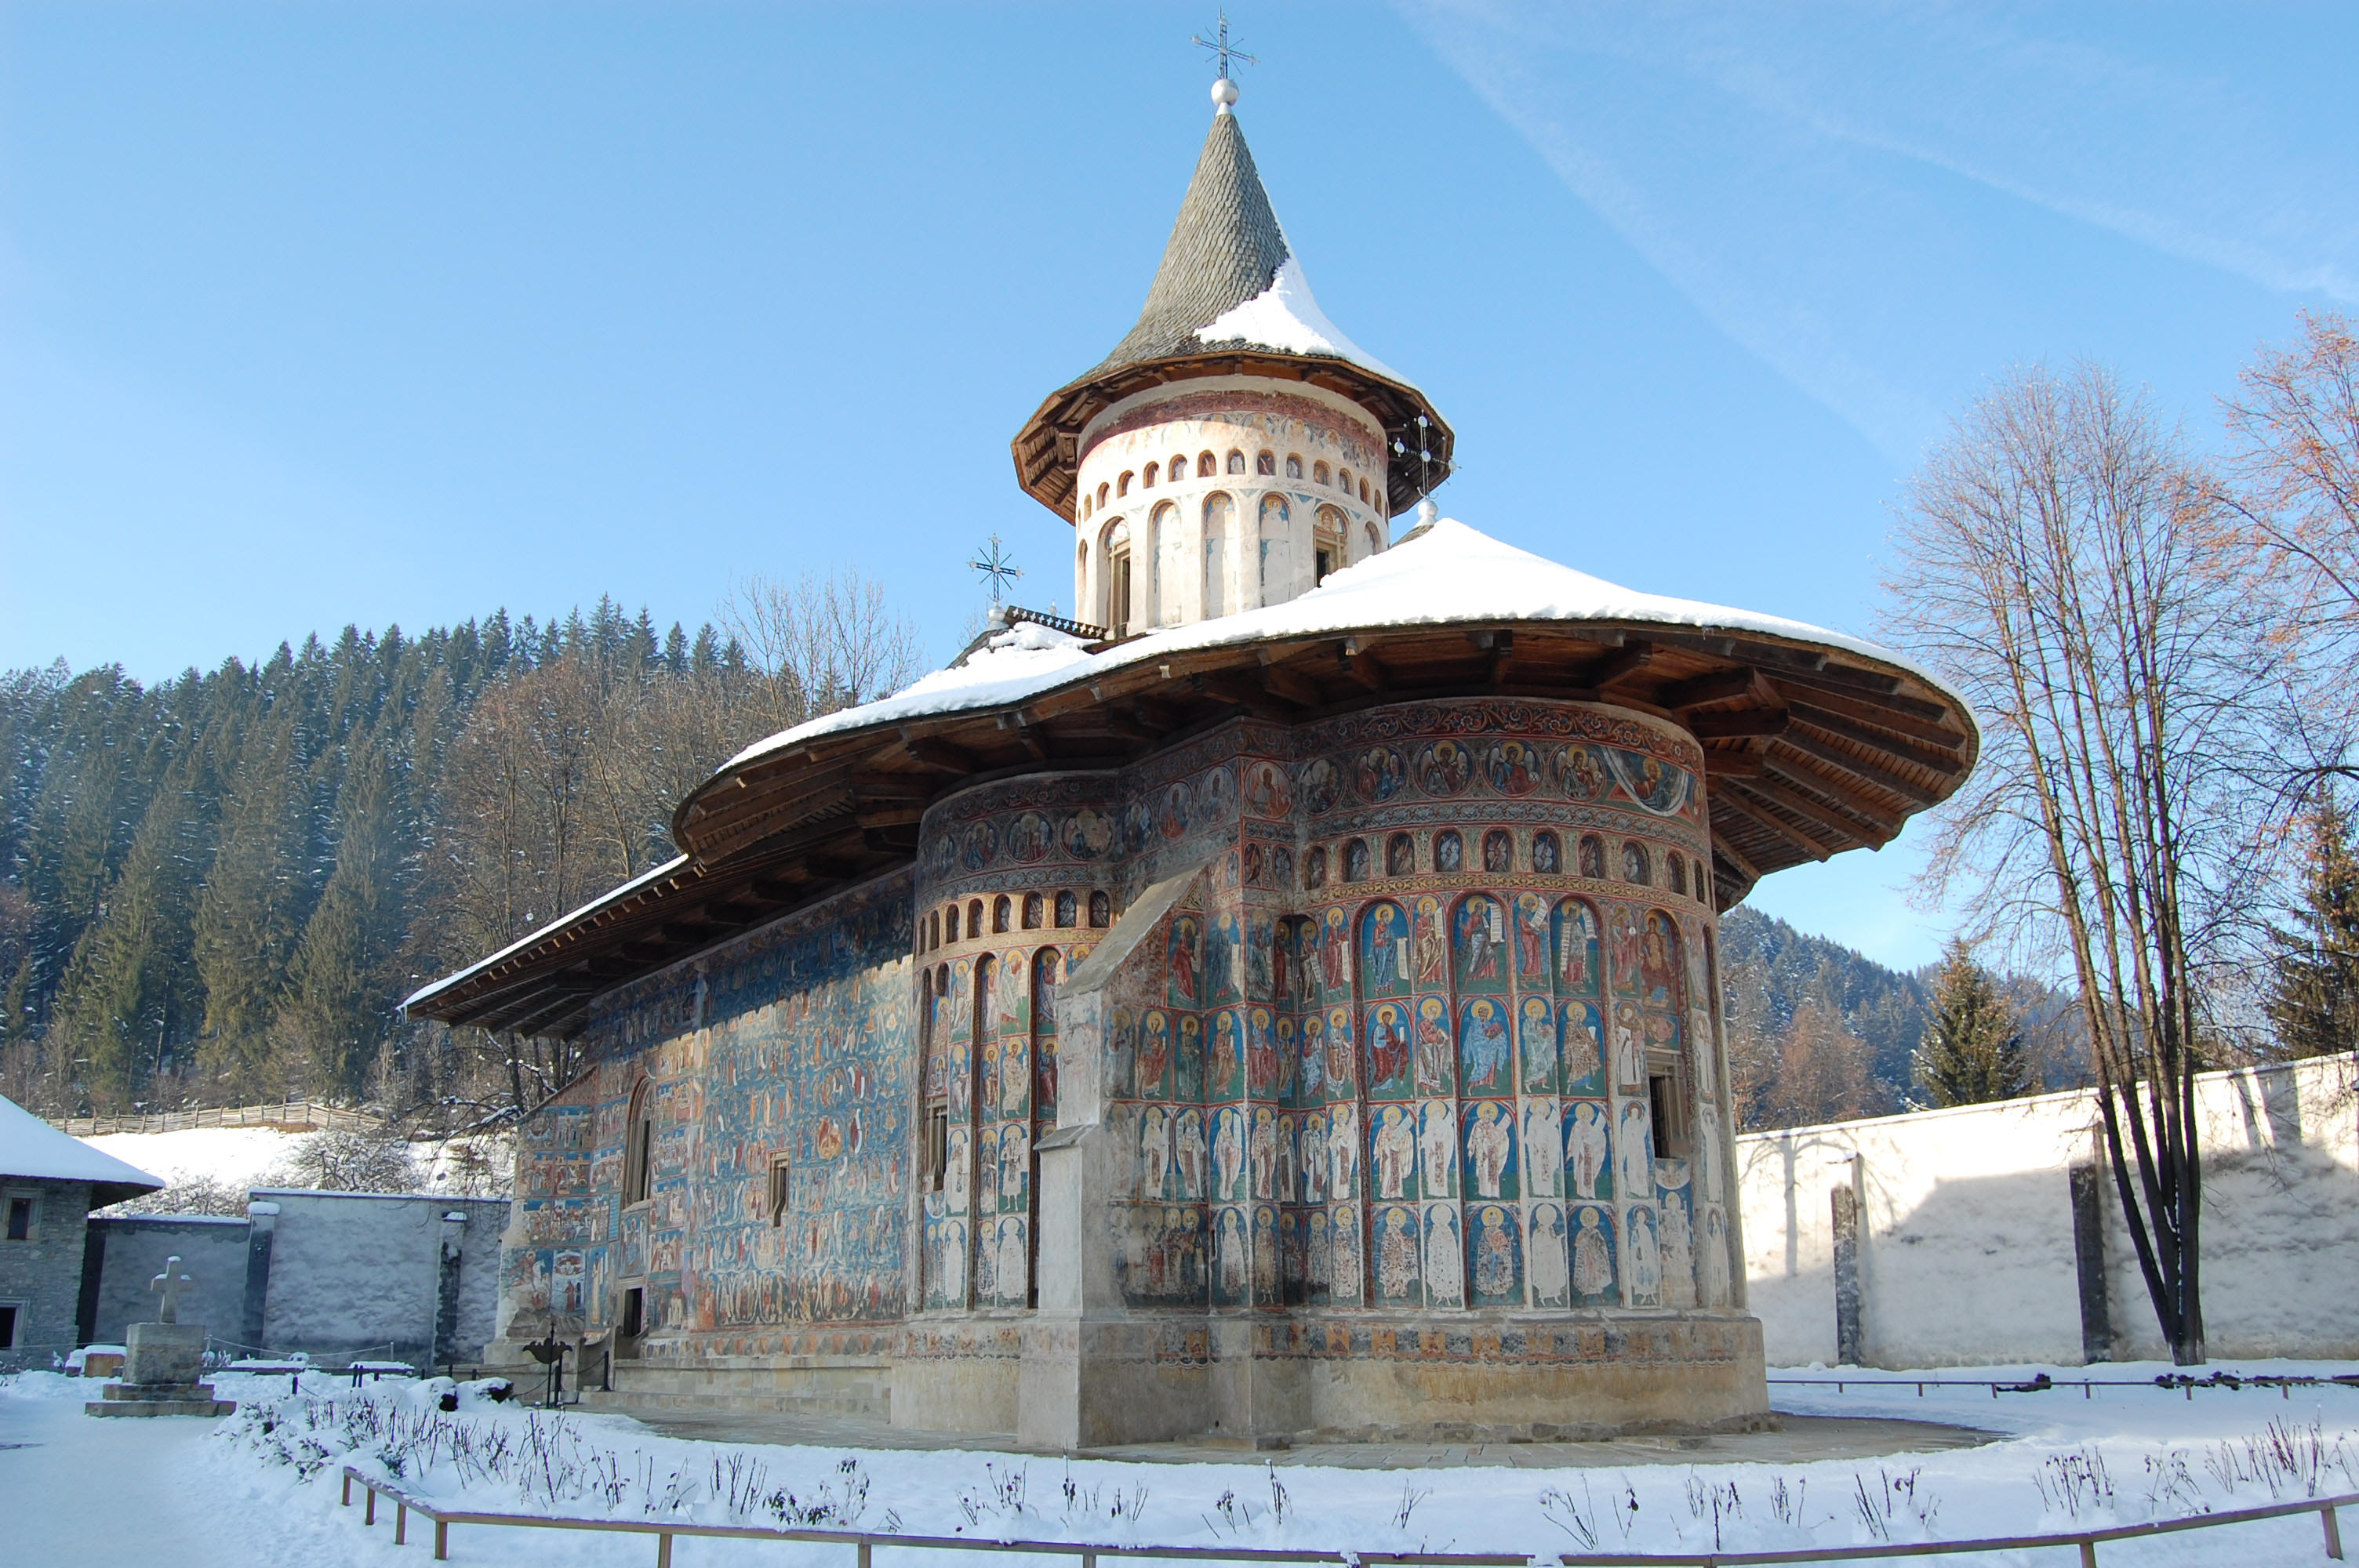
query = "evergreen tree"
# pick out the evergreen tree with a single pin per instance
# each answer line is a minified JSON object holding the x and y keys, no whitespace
{"x":2313,"y":1002}
{"x":1971,"y":1049}
{"x":343,"y":981}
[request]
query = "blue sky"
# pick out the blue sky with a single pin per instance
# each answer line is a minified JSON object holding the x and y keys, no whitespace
{"x":366,"y":313}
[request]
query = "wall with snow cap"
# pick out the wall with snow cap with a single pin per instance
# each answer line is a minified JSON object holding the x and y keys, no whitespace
{"x":1967,"y":1254}
{"x":1223,"y":491}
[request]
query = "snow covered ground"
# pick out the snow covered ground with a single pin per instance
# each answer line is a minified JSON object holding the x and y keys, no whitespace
{"x":89,"y":1492}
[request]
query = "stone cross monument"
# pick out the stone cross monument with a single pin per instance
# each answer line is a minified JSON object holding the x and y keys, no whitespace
{"x":160,"y":1376}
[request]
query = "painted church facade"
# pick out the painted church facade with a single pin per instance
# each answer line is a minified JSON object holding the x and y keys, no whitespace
{"x":1276,"y":1005}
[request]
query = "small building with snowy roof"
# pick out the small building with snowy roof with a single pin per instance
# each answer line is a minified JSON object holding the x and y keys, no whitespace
{"x":1283,"y":999}
{"x":49,"y":1184}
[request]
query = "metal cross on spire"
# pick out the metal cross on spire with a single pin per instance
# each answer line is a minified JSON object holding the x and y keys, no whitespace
{"x":998,"y":568}
{"x":1223,"y":51}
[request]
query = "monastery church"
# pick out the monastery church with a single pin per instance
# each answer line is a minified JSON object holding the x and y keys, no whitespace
{"x":1282,"y":1001}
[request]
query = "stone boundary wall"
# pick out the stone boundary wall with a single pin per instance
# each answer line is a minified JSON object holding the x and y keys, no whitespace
{"x":1993,"y":1233}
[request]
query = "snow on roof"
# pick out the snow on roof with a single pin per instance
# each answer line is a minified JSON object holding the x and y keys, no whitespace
{"x":609,"y":896}
{"x":1447,"y":573}
{"x":1285,"y":317}
{"x":31,"y":1148}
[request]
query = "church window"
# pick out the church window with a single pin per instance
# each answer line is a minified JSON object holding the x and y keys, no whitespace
{"x":1276,"y":550}
{"x":1147,"y":479}
{"x":1634,"y":868}
{"x":1317,"y":473}
{"x":950,"y":924}
{"x":1314,"y":868}
{"x":1000,"y":909}
{"x":1400,"y":856}
{"x":1205,"y":467}
{"x":1236,"y":462}
{"x":1266,"y":463}
{"x":1101,"y":909}
{"x":1171,"y":563}
{"x":1356,"y":860}
{"x":777,"y":1189}
{"x":1343,"y":483}
{"x":1068,"y":909}
{"x":1593,"y":857}
{"x":1034,"y":908}
{"x":1363,"y":492}
{"x":937,"y":1146}
{"x":1102,"y":489}
{"x":974,"y":918}
{"x":1117,"y":578}
{"x":1499,"y":851}
{"x":1548,"y":857}
{"x":1294,"y":465}
{"x":639,"y":1141}
{"x":1376,"y":540}
{"x":1218,"y":515}
{"x":1085,"y":504}
{"x":933,"y":930}
{"x":1122,"y":485}
{"x":1449,"y":852}
{"x":1327,"y":539}
{"x":20,"y":1218}
{"x":1679,"y":873}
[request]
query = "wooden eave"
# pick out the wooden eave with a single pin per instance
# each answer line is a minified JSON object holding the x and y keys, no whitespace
{"x":1047,"y":449}
{"x":1809,"y":752}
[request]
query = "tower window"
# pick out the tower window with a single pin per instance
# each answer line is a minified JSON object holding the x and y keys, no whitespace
{"x":1293,"y":465}
{"x":1033,"y":908}
{"x":999,"y":913}
{"x":1121,"y":486}
{"x":1101,"y":909}
{"x":1343,"y":481}
{"x":1363,"y":492}
{"x":1068,"y":909}
{"x":1206,"y":468}
{"x":1266,"y":463}
{"x":937,"y":1146}
{"x":637,"y":1146}
{"x":1236,"y":462}
{"x":1147,"y":480}
{"x":974,"y":917}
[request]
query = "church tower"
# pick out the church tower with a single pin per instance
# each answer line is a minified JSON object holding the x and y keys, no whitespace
{"x":1235,"y":446}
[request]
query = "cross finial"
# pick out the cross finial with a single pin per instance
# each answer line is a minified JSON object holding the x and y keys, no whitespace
{"x":1224,"y":87}
{"x":169,"y":1285}
{"x":998,"y":568}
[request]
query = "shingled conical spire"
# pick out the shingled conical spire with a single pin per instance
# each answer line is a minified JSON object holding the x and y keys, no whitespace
{"x":1230,"y":299}
{"x":1226,"y":249}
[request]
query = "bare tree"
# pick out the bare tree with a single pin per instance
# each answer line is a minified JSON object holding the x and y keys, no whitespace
{"x":821,"y":643}
{"x":2054,"y":568}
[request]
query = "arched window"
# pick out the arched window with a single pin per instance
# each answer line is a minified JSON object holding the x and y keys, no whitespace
{"x":1102,"y":494}
{"x":1266,"y":463}
{"x":1548,"y":857}
{"x":1085,"y":505}
{"x":1343,"y":483}
{"x":1000,"y":909}
{"x":950,"y":926}
{"x":1220,"y":527}
{"x":1329,"y":535}
{"x":1679,"y":873}
{"x":1449,"y":852}
{"x":1236,"y":462}
{"x":1117,"y":578}
{"x":1318,"y":473}
{"x":1122,"y":485}
{"x":974,"y":918}
{"x":1314,"y":868}
{"x":1101,"y":909}
{"x":1206,"y":468}
{"x":1356,"y":860}
{"x":1294,"y":465}
{"x":1593,"y":857}
{"x":1276,"y":550}
{"x":1034,"y":909}
{"x":638,"y":1147}
{"x":1376,"y":540}
{"x":1400,"y":856}
{"x":1363,"y":492}
{"x":1634,"y":867}
{"x":1170,"y":563}
{"x":1068,"y":909}
{"x":1178,"y":467}
{"x":1499,"y":851}
{"x":1147,"y":480}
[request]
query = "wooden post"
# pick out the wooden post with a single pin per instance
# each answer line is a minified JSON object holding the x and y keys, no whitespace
{"x":348,"y":1490}
{"x":400,"y":1523}
{"x":2088,"y":1554}
{"x":2334,"y":1532}
{"x":441,"y":1541}
{"x":864,"y":1549}
{"x":370,"y":1517}
{"x":663,"y":1551}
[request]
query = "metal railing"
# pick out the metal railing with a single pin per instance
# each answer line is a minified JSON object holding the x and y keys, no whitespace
{"x":2283,"y":1382}
{"x":309,"y":1114}
{"x":665,"y":1531}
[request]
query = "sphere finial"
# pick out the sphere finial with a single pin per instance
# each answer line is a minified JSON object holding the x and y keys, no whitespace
{"x":1225,"y":95}
{"x":1427,"y":513}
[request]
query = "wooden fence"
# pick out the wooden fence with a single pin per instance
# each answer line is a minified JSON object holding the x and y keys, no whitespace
{"x":286,"y":1116}
{"x":864,"y":1544}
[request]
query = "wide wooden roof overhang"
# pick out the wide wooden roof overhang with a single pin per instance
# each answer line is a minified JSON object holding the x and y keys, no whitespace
{"x":1047,"y":449}
{"x":1809,"y":750}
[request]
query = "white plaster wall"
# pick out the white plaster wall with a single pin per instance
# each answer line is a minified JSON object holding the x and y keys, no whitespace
{"x":1166,"y":574}
{"x":1966,"y":1227}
